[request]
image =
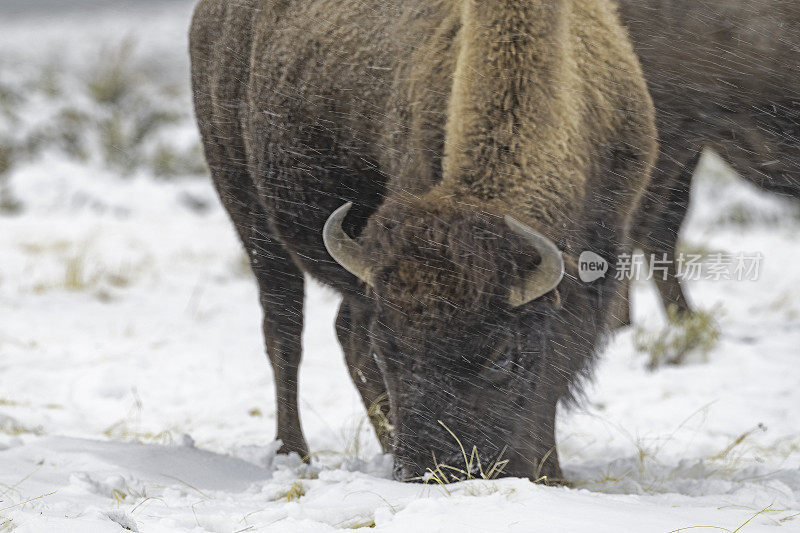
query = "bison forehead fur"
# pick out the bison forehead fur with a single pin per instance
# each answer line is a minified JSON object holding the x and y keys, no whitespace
{"x":437,"y":120}
{"x":434,"y":266}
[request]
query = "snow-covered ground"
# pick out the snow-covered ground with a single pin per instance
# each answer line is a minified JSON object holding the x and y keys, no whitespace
{"x":134,"y":390}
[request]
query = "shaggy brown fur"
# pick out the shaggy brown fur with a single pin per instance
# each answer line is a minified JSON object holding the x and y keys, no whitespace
{"x":723,"y":74}
{"x":435,"y":118}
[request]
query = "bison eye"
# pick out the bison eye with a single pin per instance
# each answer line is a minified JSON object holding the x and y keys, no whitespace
{"x":501,"y":353}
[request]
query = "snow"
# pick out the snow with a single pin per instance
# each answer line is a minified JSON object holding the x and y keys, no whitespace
{"x":135,"y":393}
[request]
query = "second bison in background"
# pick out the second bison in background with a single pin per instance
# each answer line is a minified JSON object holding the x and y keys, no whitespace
{"x":723,"y":74}
{"x":477,"y":141}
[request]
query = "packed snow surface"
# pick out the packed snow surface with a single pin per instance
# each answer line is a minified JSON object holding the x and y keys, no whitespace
{"x":135,"y":393}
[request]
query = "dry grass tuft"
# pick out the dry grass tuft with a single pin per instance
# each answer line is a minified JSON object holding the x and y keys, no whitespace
{"x":353,"y":436}
{"x":368,"y":524}
{"x":7,"y":524}
{"x":169,"y":161}
{"x":296,"y":491}
{"x":11,"y":426}
{"x":357,"y":522}
{"x":763,"y":511}
{"x":649,"y":472}
{"x":726,"y":453}
{"x":112,"y":79}
{"x":128,"y":430}
{"x":444,"y":474}
{"x":8,"y":203}
{"x":84,"y":273}
{"x":685,"y":334}
{"x":125,"y":431}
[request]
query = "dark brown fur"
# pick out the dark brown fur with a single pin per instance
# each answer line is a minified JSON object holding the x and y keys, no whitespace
{"x":723,"y":74}
{"x":435,"y":118}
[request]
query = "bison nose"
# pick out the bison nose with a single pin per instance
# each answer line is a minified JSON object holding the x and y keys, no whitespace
{"x":400,"y":473}
{"x":405,"y":470}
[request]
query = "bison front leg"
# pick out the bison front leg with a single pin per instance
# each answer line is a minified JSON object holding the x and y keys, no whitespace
{"x":351,"y":329}
{"x":281,"y":288}
{"x":281,"y":291}
{"x":538,"y":460}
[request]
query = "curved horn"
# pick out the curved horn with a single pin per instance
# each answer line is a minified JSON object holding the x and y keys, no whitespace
{"x":343,"y":249}
{"x":547,"y":275}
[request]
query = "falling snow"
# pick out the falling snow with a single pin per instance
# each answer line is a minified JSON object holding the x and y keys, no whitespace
{"x":135,"y":393}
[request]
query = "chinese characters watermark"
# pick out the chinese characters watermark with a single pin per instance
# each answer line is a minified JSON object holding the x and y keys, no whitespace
{"x":741,"y":266}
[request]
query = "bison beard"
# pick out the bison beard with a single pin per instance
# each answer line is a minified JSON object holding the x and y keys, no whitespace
{"x":477,"y":142}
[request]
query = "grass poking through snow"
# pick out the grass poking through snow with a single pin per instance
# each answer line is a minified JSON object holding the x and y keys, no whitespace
{"x":444,"y":474}
{"x":763,"y":511}
{"x":295,"y":491}
{"x":684,"y":335}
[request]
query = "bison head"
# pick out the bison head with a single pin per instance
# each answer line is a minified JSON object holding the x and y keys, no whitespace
{"x":459,"y":331}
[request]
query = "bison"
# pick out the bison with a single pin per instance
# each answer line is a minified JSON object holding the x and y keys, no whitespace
{"x":723,"y":74}
{"x":438,"y":163}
